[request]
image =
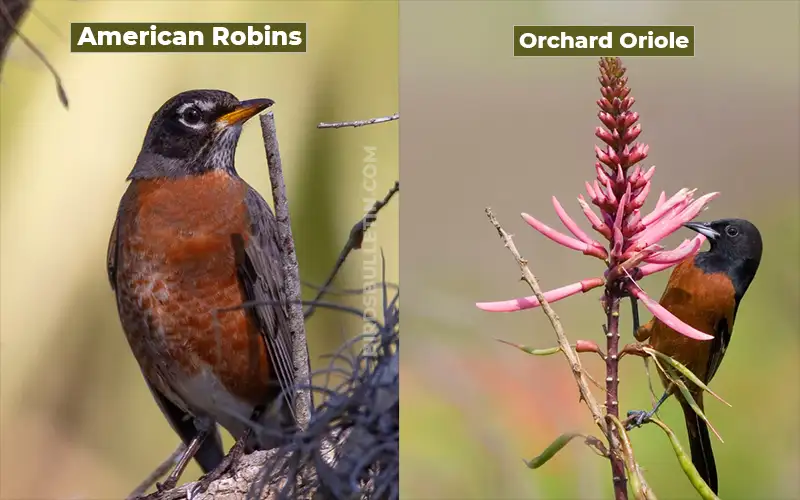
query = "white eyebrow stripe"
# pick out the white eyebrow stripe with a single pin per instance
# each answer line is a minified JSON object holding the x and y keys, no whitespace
{"x":205,"y":105}
{"x":202,"y":104}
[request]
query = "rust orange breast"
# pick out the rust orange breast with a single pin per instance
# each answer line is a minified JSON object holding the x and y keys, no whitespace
{"x":699,"y":300}
{"x":177,"y":269}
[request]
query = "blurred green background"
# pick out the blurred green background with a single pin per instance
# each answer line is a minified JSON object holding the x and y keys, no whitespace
{"x":483,"y":128}
{"x":77,"y":420}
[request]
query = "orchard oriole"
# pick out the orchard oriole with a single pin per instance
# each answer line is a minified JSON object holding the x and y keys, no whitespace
{"x":705,"y":292}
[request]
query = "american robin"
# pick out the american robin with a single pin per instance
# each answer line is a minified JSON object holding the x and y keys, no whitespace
{"x":705,"y":292}
{"x":191,"y":243}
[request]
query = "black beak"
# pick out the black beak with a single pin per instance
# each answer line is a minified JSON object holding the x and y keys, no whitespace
{"x":703,"y":228}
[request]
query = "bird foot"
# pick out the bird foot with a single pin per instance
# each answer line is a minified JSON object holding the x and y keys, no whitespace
{"x":233,"y":456}
{"x":636,"y":418}
{"x":167,"y":485}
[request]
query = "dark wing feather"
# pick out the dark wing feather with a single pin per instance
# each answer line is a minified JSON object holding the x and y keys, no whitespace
{"x":263,"y":279}
{"x":719,"y":344}
{"x":210,"y":453}
{"x":111,"y":256}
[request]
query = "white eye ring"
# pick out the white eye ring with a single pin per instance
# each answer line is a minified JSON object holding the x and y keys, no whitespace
{"x":190,"y":116}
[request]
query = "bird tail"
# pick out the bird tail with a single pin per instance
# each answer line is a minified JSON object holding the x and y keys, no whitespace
{"x":700,"y":445}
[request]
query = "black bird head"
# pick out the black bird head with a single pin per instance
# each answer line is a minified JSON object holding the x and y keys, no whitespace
{"x":735,"y":249}
{"x":195,"y":132}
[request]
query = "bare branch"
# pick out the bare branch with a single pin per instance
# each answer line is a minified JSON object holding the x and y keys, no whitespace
{"x":10,"y":22}
{"x":555,"y":322}
{"x":360,"y":123}
{"x":353,"y":242}
{"x":303,"y":403}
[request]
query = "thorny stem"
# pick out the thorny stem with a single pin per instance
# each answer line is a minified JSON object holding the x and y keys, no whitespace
{"x":612,"y":298}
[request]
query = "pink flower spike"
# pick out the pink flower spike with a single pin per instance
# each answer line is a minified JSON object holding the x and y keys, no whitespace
{"x":551,"y":296}
{"x":617,"y":241}
{"x":668,"y":225}
{"x":620,"y":175}
{"x":650,"y":172}
{"x":590,"y":191}
{"x":601,"y":172}
{"x":601,"y":197}
{"x":634,"y":224}
{"x":696,"y":207}
{"x":636,"y":173}
{"x":633,"y":259}
{"x":563,"y":239}
{"x":594,"y":220}
{"x":638,"y":201}
{"x":683,"y":251}
{"x":639,"y":153}
{"x":610,"y":192}
{"x":612,"y":155}
{"x":573,"y":227}
{"x":604,"y":136}
{"x":667,"y":317}
{"x":607,"y":120}
{"x":662,"y":209}
{"x":601,"y":155}
{"x":623,"y":204}
{"x":632,"y":133}
{"x":649,"y":269}
{"x":661,"y":199}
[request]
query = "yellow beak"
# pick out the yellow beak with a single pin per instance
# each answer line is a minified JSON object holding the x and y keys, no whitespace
{"x":245,"y":111}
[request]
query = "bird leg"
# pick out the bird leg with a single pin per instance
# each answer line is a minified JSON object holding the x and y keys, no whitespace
{"x":638,"y":417}
{"x":236,"y":452}
{"x":635,"y":314}
{"x":187,"y":455}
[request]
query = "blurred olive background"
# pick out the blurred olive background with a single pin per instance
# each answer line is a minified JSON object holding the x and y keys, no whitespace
{"x":77,"y":419}
{"x":483,"y":128}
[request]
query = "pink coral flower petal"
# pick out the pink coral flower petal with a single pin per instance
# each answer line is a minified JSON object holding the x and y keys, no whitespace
{"x":570,"y":224}
{"x":683,"y":251}
{"x":563,"y":239}
{"x":661,"y":199}
{"x":638,"y":201}
{"x":594,"y":220}
{"x":667,"y":317}
{"x":600,"y":196}
{"x":610,"y":192}
{"x":665,"y":206}
{"x":649,"y":269}
{"x":665,"y":227}
{"x":530,"y":302}
{"x":590,"y":191}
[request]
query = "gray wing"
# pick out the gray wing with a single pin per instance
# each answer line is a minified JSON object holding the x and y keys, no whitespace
{"x":210,"y":453}
{"x":263,"y":277}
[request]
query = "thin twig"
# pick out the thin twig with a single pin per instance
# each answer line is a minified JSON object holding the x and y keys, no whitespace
{"x":555,"y":322}
{"x":354,"y":242}
{"x":158,"y":473}
{"x":303,"y":403}
{"x":12,"y":23}
{"x":360,"y":123}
